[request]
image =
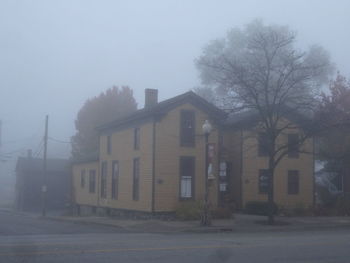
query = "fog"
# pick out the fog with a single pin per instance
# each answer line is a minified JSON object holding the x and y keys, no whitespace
{"x":56,"y":54}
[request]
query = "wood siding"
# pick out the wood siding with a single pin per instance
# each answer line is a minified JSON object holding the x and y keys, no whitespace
{"x":168,"y":153}
{"x":251,"y":163}
{"x":238,"y":147}
{"x":81,"y":195}
{"x":122,"y":150}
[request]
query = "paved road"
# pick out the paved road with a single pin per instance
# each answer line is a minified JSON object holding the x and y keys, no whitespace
{"x":86,"y":245}
{"x":26,"y":224}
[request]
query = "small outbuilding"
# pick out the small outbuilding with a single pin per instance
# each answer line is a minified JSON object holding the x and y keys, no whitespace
{"x":29,"y":182}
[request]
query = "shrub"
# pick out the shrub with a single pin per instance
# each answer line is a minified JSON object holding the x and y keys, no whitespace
{"x":222,"y":213}
{"x":190,"y":210}
{"x":326,"y":198}
{"x":259,"y":208}
{"x":340,"y":206}
{"x":282,"y":211}
{"x":343,"y":205}
{"x":299,"y":209}
{"x":320,"y":210}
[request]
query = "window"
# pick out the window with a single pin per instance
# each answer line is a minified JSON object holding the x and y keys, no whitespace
{"x":136,"y":138}
{"x":136,"y":180}
{"x":293,"y":145}
{"x":104,"y":180}
{"x":92,"y":181}
{"x":187,"y":128}
{"x":264,"y":181}
{"x":187,"y":170}
{"x":109,"y":144}
{"x":115,"y":179}
{"x":293,"y":182}
{"x":82,"y":178}
{"x":263,"y":143}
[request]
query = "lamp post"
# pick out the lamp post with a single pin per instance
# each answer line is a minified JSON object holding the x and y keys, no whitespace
{"x":205,"y":220}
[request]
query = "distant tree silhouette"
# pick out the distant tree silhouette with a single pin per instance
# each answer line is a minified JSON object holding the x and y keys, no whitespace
{"x":334,"y":114}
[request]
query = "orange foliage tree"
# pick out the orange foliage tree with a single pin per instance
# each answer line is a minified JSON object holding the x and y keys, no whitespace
{"x":108,"y":106}
{"x":334,"y":114}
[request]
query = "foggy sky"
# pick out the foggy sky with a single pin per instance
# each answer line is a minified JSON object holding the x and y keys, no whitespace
{"x":56,"y":54}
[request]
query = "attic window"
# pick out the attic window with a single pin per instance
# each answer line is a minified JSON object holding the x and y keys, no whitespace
{"x":263,"y":144}
{"x":187,"y":128}
{"x":137,"y":138}
{"x":109,"y":144}
{"x":293,"y":145}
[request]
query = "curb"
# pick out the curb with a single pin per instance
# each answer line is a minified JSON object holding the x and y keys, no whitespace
{"x":182,"y":230}
{"x":21,"y":213}
{"x":211,"y":229}
{"x":82,"y":222}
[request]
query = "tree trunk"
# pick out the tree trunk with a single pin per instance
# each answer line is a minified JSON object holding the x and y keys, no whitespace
{"x":270,"y":197}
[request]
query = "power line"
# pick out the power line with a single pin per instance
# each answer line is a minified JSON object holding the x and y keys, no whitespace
{"x":39,"y":148}
{"x":12,"y":152}
{"x":39,"y":151}
{"x":57,"y":140}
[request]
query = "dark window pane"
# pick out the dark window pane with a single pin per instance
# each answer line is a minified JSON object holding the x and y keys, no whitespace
{"x":187,"y":128}
{"x":264,"y":181}
{"x":82,"y":178}
{"x":92,"y":181}
{"x":136,"y":138}
{"x":104,"y":180}
{"x":109,"y":144}
{"x":187,"y":171}
{"x":293,"y":182}
{"x":115,"y":179}
{"x":293,"y":145}
{"x":263,"y":143}
{"x":136,"y":180}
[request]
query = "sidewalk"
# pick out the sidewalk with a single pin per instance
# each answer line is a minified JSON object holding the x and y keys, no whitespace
{"x":241,"y":223}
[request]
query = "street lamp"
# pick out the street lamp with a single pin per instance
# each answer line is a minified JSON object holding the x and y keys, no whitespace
{"x":205,"y":221}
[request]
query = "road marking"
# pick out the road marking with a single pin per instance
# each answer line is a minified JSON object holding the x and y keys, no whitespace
{"x":140,"y":249}
{"x":37,"y":253}
{"x":16,"y":245}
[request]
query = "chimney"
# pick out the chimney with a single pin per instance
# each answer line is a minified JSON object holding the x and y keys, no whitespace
{"x":151,"y":97}
{"x":29,"y":153}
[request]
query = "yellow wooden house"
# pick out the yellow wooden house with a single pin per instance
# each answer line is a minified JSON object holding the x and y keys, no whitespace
{"x":154,"y":159}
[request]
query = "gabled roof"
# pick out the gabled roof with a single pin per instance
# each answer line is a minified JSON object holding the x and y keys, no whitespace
{"x":36,"y":164}
{"x":250,"y":117}
{"x":240,"y":118}
{"x":165,"y":106}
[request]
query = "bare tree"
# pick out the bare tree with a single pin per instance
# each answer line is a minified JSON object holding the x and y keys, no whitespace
{"x":206,"y":93}
{"x":259,"y":68}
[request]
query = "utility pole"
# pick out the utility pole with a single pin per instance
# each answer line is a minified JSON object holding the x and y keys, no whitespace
{"x":44,"y":187}
{"x":0,"y":133}
{"x":0,"y":140}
